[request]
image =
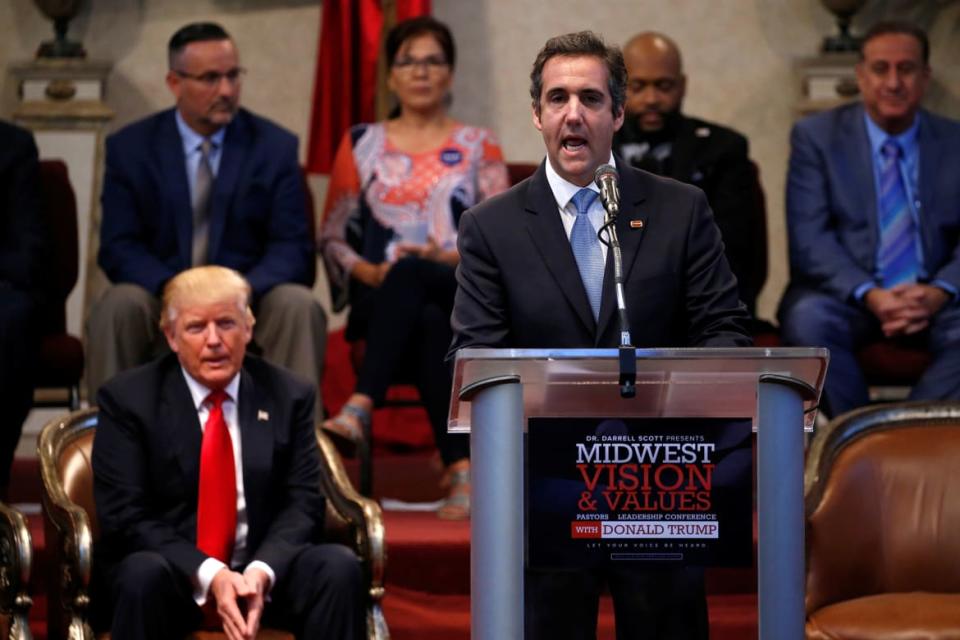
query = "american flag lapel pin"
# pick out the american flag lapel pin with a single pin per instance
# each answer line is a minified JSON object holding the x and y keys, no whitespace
{"x":262,"y":415}
{"x":636,"y":224}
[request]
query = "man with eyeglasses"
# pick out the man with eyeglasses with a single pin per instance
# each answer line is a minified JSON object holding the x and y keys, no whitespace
{"x":657,"y":137}
{"x":206,"y":182}
{"x":873,"y":217}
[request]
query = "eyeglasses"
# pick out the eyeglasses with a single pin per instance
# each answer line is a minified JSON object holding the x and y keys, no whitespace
{"x":212,"y":79}
{"x":428,"y":63}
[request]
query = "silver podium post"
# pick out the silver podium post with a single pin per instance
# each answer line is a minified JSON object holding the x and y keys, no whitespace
{"x":780,"y":561}
{"x":497,"y":518}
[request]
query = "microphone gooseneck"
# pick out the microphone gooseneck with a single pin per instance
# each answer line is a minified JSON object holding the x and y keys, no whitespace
{"x":608,"y":181}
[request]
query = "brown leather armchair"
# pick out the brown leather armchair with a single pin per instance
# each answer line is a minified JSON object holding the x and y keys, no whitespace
{"x":15,"y":559}
{"x":65,"y":453}
{"x":883,"y":516}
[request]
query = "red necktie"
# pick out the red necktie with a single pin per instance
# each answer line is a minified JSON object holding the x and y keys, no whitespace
{"x":217,"y":502}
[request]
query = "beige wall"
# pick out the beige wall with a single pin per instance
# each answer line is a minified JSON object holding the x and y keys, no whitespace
{"x":277,"y":38}
{"x":740,"y":58}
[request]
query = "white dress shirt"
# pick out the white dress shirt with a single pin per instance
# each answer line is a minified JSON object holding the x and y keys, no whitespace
{"x":209,"y":567}
{"x":563,"y":192}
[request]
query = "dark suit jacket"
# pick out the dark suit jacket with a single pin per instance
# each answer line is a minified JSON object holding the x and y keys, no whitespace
{"x":21,"y":223}
{"x":715,"y":158}
{"x":146,"y":463}
{"x":832,"y":201}
{"x":258,"y":223}
{"x":519,"y":285}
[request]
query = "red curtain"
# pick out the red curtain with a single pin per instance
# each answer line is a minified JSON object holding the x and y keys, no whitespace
{"x":411,"y":8}
{"x":346,"y":80}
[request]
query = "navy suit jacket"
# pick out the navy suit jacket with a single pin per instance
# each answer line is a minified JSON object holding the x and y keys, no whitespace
{"x":519,"y":285}
{"x":832,"y":201}
{"x":22,"y":240}
{"x":146,"y":464}
{"x":258,"y":223}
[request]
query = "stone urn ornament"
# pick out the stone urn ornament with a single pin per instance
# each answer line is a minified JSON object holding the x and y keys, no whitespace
{"x":61,"y":12}
{"x":844,"y":10}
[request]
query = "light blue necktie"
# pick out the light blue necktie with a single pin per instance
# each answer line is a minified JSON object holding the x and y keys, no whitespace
{"x":898,"y":233}
{"x":586,"y":249}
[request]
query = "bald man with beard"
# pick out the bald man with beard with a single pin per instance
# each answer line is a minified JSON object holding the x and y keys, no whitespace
{"x":657,"y":137}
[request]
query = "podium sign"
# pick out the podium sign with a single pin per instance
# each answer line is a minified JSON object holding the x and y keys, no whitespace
{"x":499,"y":393}
{"x":651,"y":491}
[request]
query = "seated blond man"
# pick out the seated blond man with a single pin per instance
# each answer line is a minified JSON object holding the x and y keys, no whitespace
{"x":206,"y":482}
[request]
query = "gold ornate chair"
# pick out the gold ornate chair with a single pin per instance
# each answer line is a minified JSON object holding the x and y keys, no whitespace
{"x":15,"y":559}
{"x":883,"y":515}
{"x":65,"y":448}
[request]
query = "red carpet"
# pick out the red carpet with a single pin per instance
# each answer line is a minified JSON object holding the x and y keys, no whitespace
{"x":415,"y":615}
{"x":428,"y":585}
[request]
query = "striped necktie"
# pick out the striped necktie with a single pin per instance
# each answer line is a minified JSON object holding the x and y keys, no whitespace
{"x":898,"y":261}
{"x":586,"y":249}
{"x":202,"y":187}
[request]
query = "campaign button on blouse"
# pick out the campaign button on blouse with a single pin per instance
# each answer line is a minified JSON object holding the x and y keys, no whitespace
{"x":451,"y":156}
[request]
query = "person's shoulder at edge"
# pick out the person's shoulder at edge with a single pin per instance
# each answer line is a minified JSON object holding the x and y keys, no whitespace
{"x":14,"y":133}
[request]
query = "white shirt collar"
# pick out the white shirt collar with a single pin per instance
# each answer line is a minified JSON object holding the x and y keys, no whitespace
{"x":199,"y":392}
{"x":563,"y":190}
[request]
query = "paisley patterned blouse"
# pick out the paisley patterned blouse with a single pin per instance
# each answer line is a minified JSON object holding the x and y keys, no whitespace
{"x":379,"y":195}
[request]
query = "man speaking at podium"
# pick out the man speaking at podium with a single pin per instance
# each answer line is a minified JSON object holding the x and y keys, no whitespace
{"x":533,"y":274}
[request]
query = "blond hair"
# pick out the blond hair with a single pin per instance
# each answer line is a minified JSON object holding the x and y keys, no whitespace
{"x":208,"y":284}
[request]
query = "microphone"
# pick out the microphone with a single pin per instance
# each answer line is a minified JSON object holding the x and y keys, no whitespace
{"x":608,"y":181}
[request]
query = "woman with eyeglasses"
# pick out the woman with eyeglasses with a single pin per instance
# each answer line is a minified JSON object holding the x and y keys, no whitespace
{"x":389,"y":234}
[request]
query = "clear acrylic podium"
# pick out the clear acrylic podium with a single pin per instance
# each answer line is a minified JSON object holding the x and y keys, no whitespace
{"x":496,"y":390}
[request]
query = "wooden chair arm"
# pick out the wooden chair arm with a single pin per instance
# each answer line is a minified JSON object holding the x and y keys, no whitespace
{"x":366,"y":523}
{"x":15,"y":559}
{"x":69,"y":533}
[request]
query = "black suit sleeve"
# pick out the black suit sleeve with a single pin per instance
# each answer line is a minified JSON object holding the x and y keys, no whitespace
{"x":735,"y":200}
{"x":300,"y":510}
{"x":126,"y":252}
{"x":716,"y":318}
{"x":287,"y":251}
{"x":121,"y":466}
{"x":21,"y":227}
{"x":480,"y":317}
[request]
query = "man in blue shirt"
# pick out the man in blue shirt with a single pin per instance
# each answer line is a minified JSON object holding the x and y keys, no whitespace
{"x":873,"y":215}
{"x":206,"y":182}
